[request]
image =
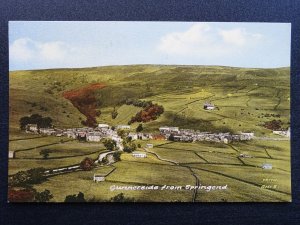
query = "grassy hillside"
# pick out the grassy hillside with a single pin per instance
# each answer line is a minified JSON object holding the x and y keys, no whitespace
{"x":243,"y":96}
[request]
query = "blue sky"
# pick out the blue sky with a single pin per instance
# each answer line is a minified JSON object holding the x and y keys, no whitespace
{"x":41,"y":45}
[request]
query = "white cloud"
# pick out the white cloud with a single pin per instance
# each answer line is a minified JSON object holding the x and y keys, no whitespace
{"x":239,"y":36}
{"x":20,"y":50}
{"x":202,"y":40}
{"x":53,"y":53}
{"x":25,"y":49}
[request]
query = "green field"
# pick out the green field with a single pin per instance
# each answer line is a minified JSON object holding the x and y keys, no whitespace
{"x":245,"y":99}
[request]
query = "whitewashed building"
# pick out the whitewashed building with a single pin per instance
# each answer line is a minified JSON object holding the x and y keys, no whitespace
{"x":32,"y":128}
{"x":208,"y":106}
{"x":139,"y":154}
{"x":103,"y":126}
{"x":168,"y":129}
{"x":286,"y":133}
{"x":267,"y":166}
{"x":95,"y":137}
{"x":149,"y":145}
{"x":123,"y":127}
{"x":98,"y":178}
{"x":11,"y":154}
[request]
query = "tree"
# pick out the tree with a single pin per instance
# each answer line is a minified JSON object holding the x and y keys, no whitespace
{"x":110,"y":144}
{"x":117,"y":156}
{"x":114,"y":114}
{"x":129,"y":148}
{"x":75,"y":198}
{"x":43,"y":196}
{"x":87,"y":164}
{"x":28,"y":177}
{"x":171,"y":137}
{"x":121,"y":133}
{"x":42,"y":122}
{"x":45,"y":153}
{"x":139,"y":128}
{"x":121,"y":198}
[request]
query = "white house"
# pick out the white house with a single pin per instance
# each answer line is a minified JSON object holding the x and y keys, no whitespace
{"x":149,"y":145}
{"x":225,"y":140}
{"x":168,"y":129}
{"x":32,"y":128}
{"x":123,"y":127}
{"x":103,"y":126}
{"x":95,"y":137}
{"x":208,"y":106}
{"x":133,"y":136}
{"x":286,"y":133}
{"x":267,"y":166}
{"x":98,"y":178}
{"x":47,"y":131}
{"x":139,"y":154}
{"x":11,"y":154}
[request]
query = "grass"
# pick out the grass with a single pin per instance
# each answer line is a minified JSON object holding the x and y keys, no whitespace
{"x":34,"y":143}
{"x":237,"y":191}
{"x":243,"y":97}
{"x":69,"y":149}
{"x":16,"y":165}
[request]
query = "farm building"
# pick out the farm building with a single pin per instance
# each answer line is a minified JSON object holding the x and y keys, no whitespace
{"x":267,"y":166}
{"x":47,"y":131}
{"x":139,"y":154}
{"x":103,"y":126}
{"x":98,"y":178}
{"x":286,"y":133}
{"x":11,"y":154}
{"x":32,"y":128}
{"x":95,"y":137}
{"x":133,"y":136}
{"x":208,"y":106}
{"x":149,"y":145}
{"x":123,"y":127}
{"x":168,"y":129}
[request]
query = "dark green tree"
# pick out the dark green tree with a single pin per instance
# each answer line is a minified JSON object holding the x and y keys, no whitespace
{"x":110,"y":144}
{"x":75,"y":198}
{"x":139,"y":128}
{"x":45,"y":153}
{"x":117,"y":156}
{"x":44,"y":196}
{"x":121,"y":198}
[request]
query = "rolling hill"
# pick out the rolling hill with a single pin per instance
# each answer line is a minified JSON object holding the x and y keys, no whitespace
{"x":244,"y":98}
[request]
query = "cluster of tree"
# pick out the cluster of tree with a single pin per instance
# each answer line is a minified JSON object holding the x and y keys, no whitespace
{"x":75,"y":198}
{"x":147,"y":114}
{"x":110,"y":144}
{"x":121,"y":198}
{"x":138,"y":103}
{"x":87,"y":164}
{"x":117,"y":156}
{"x":28,"y":177}
{"x":42,"y":122}
{"x":129,"y":147}
{"x":28,"y":195}
{"x":273,"y":124}
{"x":21,"y":190}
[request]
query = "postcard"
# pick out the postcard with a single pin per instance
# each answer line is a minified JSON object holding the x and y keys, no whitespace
{"x":115,"y":111}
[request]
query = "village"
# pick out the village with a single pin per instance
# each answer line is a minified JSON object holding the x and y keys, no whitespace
{"x":104,"y":131}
